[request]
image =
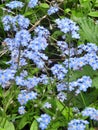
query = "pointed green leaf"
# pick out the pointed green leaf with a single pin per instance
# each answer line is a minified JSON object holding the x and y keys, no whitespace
{"x":95,"y":82}
{"x":44,"y":5}
{"x":34,"y":125}
{"x":64,"y":110}
{"x":93,"y":14}
{"x":23,"y":122}
{"x":6,"y":124}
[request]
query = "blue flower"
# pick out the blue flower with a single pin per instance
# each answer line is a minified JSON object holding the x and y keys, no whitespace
{"x":82,"y":84}
{"x":76,"y":124}
{"x":40,"y":31}
{"x":59,"y":71}
{"x":32,"y":82}
{"x":22,"y":22}
{"x":20,"y":81}
{"x":37,"y":57}
{"x":6,"y":76}
{"x":89,"y":47}
{"x":24,"y":73}
{"x":44,"y":120}
{"x":21,"y":110}
{"x":15,"y":4}
{"x":10,"y":43}
{"x":53,"y":9}
{"x":38,"y":43}
{"x":47,"y":105}
{"x":8,"y":22}
{"x":44,"y":79}
{"x":22,"y":38}
{"x":15,"y":23}
{"x":25,"y":96}
{"x":90,"y":112}
{"x":62,"y":96}
{"x":68,"y":26}
{"x":61,"y":87}
{"x":32,"y":3}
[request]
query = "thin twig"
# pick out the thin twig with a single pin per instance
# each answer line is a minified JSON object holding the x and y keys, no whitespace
{"x":37,"y":23}
{"x":3,"y":52}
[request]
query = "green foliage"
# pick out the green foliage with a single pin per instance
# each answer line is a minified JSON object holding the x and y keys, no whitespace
{"x":86,"y":70}
{"x":44,"y":5}
{"x":5,"y":124}
{"x":93,"y":14}
{"x":95,"y":82}
{"x":66,"y":111}
{"x":88,"y":30}
{"x":34,"y":125}
{"x":23,"y":122}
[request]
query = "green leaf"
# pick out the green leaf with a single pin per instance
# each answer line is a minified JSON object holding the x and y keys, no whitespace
{"x":34,"y":125}
{"x":92,"y":128}
{"x":95,"y":82}
{"x":85,"y":4}
{"x":86,"y":70}
{"x":23,"y":122}
{"x":93,"y":14}
{"x":44,"y":5}
{"x":64,"y":110}
{"x":56,"y":125}
{"x":54,"y":129}
{"x":87,"y":28}
{"x":96,"y":3}
{"x":6,"y":124}
{"x":67,"y":10}
{"x":56,"y":34}
{"x":2,"y":129}
{"x":28,"y":13}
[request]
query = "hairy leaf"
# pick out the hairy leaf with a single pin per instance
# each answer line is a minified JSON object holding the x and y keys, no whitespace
{"x":89,"y":30}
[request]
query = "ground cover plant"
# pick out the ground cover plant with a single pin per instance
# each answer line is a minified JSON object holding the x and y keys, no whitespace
{"x":48,"y":65}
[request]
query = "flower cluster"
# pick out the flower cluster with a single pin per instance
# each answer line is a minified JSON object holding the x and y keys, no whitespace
{"x":15,"y":23}
{"x":35,"y":53}
{"x":76,"y":124}
{"x":22,"y":47}
{"x":53,"y":9}
{"x":62,"y":86}
{"x":68,"y":26}
{"x":6,"y":76}
{"x":90,"y":112}
{"x":34,"y":47}
{"x":15,"y":45}
{"x":89,"y":58}
{"x":62,"y":96}
{"x":22,"y":38}
{"x":65,"y":49}
{"x":29,"y":83}
{"x":15,"y":4}
{"x":41,"y":32}
{"x":32,"y":3}
{"x":89,"y":47}
{"x":81,"y":84}
{"x":59,"y":71}
{"x":25,"y":96}
{"x":44,"y":120}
